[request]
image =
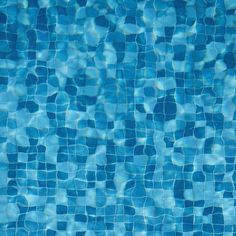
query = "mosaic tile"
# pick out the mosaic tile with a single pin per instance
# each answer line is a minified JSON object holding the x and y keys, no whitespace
{"x":117,"y":117}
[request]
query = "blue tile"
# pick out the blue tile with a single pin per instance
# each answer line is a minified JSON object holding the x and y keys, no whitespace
{"x":117,"y":117}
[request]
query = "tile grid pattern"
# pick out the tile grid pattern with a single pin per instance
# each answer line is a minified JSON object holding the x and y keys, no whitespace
{"x":117,"y":117}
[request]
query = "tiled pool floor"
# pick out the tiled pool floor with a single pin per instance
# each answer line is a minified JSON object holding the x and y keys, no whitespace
{"x":117,"y":117}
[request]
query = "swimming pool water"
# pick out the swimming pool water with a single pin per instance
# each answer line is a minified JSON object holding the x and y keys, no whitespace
{"x":117,"y":117}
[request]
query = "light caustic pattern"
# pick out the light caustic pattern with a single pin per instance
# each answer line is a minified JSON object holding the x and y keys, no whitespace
{"x":117,"y":117}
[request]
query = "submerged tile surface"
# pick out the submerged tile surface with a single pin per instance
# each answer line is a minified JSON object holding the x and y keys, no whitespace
{"x":117,"y":117}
